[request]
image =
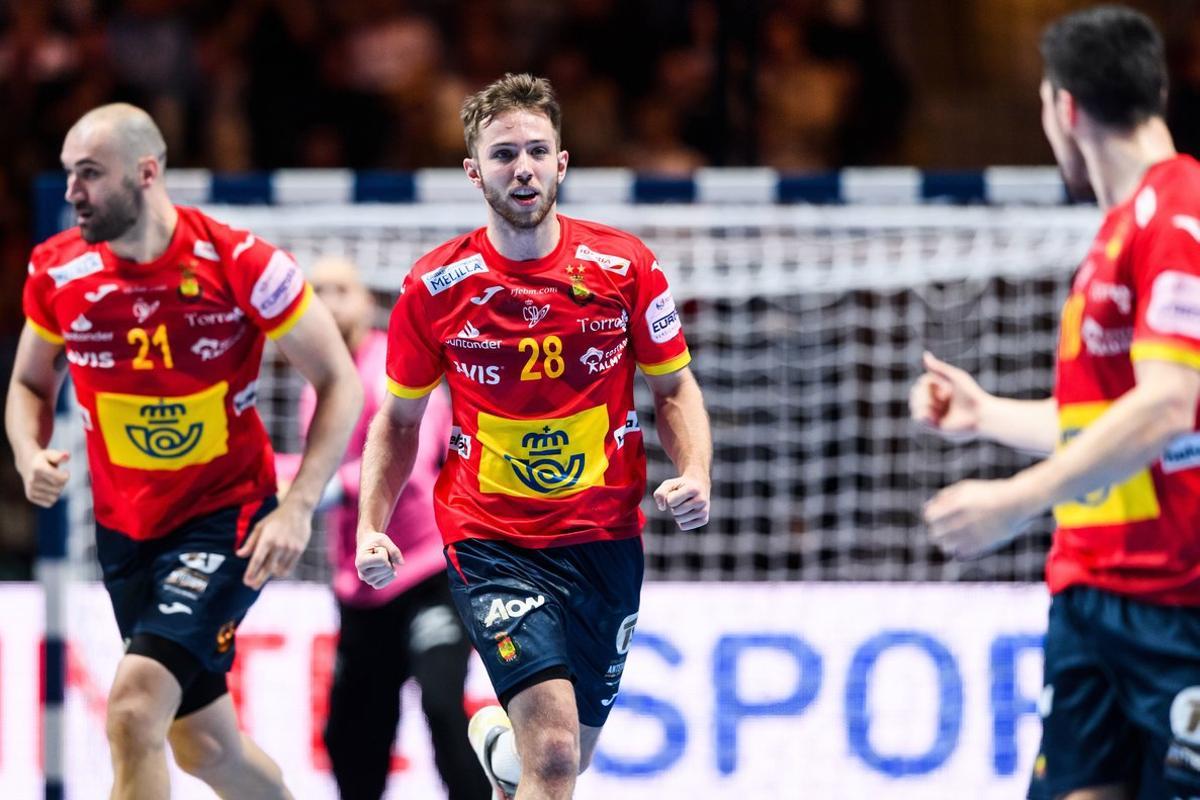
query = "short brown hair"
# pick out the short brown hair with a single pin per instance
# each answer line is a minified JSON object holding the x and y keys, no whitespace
{"x":512,"y":92}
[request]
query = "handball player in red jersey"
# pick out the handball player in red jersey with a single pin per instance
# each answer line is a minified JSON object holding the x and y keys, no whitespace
{"x":161,"y":314}
{"x":1121,"y":703}
{"x":538,"y":323}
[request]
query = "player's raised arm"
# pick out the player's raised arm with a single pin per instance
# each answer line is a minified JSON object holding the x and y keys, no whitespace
{"x":37,"y":376}
{"x":315,"y":348}
{"x":684,"y":432}
{"x":388,"y":457}
{"x":949,"y":402}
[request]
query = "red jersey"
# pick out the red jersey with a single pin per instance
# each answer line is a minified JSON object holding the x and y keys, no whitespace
{"x":1136,"y":296}
{"x":165,"y":357}
{"x":539,"y":356}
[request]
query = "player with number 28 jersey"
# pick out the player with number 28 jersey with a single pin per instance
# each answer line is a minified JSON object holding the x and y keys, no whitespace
{"x":540,"y":358}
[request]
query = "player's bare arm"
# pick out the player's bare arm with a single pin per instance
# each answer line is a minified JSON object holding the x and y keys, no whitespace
{"x":972,"y":517}
{"x":314,"y":347}
{"x":948,"y":401}
{"x":388,"y":457}
{"x":38,"y":372}
{"x":684,"y":432}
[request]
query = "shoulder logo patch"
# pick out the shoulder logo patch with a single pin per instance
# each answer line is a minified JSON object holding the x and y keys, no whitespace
{"x":611,"y":263}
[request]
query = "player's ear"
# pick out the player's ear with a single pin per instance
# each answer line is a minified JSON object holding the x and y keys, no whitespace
{"x":1067,"y":109}
{"x":148,"y":171}
{"x":471,"y":167}
{"x":563,"y":158}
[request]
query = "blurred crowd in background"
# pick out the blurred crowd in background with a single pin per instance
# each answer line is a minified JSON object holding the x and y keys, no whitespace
{"x":661,"y":86}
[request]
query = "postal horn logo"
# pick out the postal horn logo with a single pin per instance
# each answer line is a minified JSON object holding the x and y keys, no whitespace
{"x":547,"y":469}
{"x":165,"y":433}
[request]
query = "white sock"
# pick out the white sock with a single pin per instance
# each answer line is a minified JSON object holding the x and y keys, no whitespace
{"x":506,"y":764}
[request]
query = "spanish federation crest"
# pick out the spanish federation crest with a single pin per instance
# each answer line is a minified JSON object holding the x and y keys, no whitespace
{"x":580,"y":293}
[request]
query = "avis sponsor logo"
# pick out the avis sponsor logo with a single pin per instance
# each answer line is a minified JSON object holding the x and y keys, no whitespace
{"x":246,"y":398}
{"x":93,"y":360}
{"x":443,"y":278}
{"x":611,"y":263}
{"x":589,"y":325}
{"x":662,"y":318}
{"x":502,"y":610}
{"x":487,"y":375}
{"x":102,"y":291}
{"x":86,"y":264}
{"x":460,"y":442}
{"x":597,"y":360}
{"x":280,"y":283}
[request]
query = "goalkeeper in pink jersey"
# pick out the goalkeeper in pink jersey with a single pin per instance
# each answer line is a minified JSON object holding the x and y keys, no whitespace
{"x":409,"y":629}
{"x":538,"y":323}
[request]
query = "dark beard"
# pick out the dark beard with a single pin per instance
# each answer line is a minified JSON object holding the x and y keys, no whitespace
{"x":115,"y":220}
{"x":521,"y":220}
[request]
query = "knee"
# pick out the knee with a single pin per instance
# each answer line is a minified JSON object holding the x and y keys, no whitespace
{"x":201,"y":754}
{"x":132,"y":725}
{"x":555,"y":755}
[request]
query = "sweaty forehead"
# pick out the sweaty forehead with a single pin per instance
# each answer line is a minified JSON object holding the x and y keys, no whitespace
{"x":516,"y":126}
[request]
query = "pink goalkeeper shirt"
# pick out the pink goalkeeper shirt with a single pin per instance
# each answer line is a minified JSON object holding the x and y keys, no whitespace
{"x":412,"y":526}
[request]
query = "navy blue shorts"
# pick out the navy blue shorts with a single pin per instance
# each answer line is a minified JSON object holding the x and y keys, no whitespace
{"x":187,"y":586}
{"x":559,"y":610}
{"x":1121,"y":703}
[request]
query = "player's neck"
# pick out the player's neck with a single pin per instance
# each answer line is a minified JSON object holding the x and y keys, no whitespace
{"x":150,"y":237}
{"x":1117,"y":162}
{"x":524,"y":244}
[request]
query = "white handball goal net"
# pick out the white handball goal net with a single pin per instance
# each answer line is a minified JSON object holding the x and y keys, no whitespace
{"x":806,"y":325}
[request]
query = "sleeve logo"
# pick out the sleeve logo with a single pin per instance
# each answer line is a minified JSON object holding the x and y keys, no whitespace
{"x":546,"y":458}
{"x":662,"y":318}
{"x":443,"y":278}
{"x":164,"y":433}
{"x":280,"y":283}
{"x":1175,"y":304}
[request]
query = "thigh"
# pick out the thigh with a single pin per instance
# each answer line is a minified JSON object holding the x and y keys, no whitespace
{"x":1155,"y":652}
{"x":196,"y":595}
{"x":511,"y":603}
{"x":1087,"y":737}
{"x":604,"y":613}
